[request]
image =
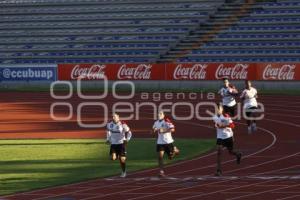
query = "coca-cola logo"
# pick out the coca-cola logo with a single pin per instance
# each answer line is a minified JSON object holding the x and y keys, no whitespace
{"x":195,"y":72}
{"x":285,"y":72}
{"x":239,"y":71}
{"x":92,"y":72}
{"x":140,"y":72}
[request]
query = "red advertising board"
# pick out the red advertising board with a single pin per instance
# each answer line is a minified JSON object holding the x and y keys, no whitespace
{"x":180,"y":71}
{"x":187,"y":71}
{"x":210,"y":71}
{"x":111,"y":71}
{"x":278,"y":71}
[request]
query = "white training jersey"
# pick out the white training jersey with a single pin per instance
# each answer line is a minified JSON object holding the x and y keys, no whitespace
{"x":249,"y":97}
{"x":224,"y":120}
{"x":164,"y":138}
{"x":116,"y":132}
{"x":227,"y":98}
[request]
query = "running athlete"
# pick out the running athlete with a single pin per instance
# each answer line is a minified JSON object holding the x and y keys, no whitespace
{"x":227,"y":93}
{"x":224,"y":126}
{"x":249,"y":96}
{"x":118,"y":134}
{"x":164,"y":128}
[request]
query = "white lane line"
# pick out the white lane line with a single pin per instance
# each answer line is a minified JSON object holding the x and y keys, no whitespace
{"x":258,"y":193}
{"x":284,"y":192}
{"x":207,"y":178}
{"x":281,"y":110}
{"x":256,"y":174}
{"x":283,"y":115}
{"x":246,"y":156}
{"x":236,"y":192}
{"x":274,"y":140}
{"x":152,"y":169}
{"x":281,"y":106}
{"x":289,"y":197}
{"x":264,"y":149}
{"x":170,"y":191}
{"x":224,"y":190}
{"x":139,"y":193}
{"x":282,"y":122}
{"x":244,"y":186}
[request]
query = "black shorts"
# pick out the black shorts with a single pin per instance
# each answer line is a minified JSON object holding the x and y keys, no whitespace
{"x":250,"y":114}
{"x":230,"y":110}
{"x":167,"y":148}
{"x":118,"y":149}
{"x":228,"y":143}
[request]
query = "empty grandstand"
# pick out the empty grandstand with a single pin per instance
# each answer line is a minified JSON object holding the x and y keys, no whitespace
{"x":116,"y":31}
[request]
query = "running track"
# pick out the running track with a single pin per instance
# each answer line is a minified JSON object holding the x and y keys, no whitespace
{"x":270,"y":168}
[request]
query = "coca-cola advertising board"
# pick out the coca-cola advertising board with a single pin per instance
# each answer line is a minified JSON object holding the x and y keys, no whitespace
{"x":210,"y":71}
{"x":278,"y":71}
{"x":187,"y":71}
{"x":111,"y":71}
{"x":180,"y":71}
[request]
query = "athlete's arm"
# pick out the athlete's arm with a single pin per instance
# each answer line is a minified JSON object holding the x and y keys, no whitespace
{"x":108,"y":136}
{"x":231,"y":125}
{"x":243,"y":95}
{"x":220,"y":92}
{"x":155,"y":130}
{"x":128,"y":135}
{"x":233,"y":90}
{"x":166,"y":130}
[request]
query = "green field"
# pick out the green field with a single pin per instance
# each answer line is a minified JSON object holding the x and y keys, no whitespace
{"x":32,"y":164}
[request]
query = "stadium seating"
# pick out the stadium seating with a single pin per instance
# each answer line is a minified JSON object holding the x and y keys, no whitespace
{"x":47,"y":31}
{"x":270,"y":33}
{"x":112,"y":31}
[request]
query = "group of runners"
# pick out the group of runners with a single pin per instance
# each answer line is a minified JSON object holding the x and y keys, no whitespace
{"x":119,"y":133}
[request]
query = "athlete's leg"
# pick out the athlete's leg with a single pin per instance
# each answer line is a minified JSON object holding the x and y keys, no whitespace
{"x":228,"y":143}
{"x":123,"y":163}
{"x":113,"y":156}
{"x":219,"y":159}
{"x":161,"y":160}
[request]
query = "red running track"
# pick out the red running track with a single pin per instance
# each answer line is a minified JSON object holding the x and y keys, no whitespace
{"x":270,"y":168}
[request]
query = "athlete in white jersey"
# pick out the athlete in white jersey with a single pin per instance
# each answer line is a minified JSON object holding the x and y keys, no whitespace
{"x":224,"y":126}
{"x":228,"y":93}
{"x":164,"y":128}
{"x":249,"y":96}
{"x":118,"y":134}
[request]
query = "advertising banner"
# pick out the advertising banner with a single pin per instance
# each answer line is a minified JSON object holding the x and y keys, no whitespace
{"x":28,"y":73}
{"x":210,"y":71}
{"x":278,"y":71}
{"x":111,"y":71}
{"x":181,"y":71}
